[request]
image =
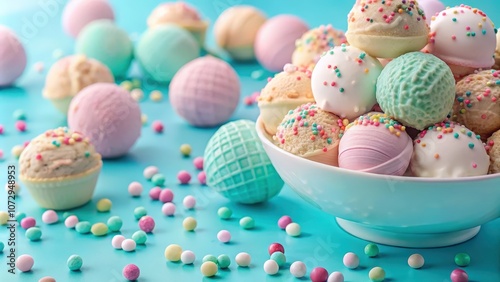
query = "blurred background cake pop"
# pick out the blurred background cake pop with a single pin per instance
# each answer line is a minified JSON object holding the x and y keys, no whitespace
{"x":180,"y":14}
{"x":275,"y":41}
{"x":71,"y":74}
{"x":163,"y":50}
{"x":463,"y":37}
{"x":78,"y":13}
{"x":496,"y":66}
{"x":12,"y":57}
{"x":108,"y":116}
{"x":431,"y":8}
{"x":312,"y":44}
{"x":106,"y":42}
{"x":236,"y":29}
{"x":205,"y":92}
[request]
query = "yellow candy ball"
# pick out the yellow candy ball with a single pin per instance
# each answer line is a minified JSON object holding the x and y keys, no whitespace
{"x":173,"y":252}
{"x":99,"y":229}
{"x":186,"y":150}
{"x":4,"y":217}
{"x":189,"y":223}
{"x":104,"y":205}
{"x":144,"y":119}
{"x":156,"y":96}
{"x":209,"y":269}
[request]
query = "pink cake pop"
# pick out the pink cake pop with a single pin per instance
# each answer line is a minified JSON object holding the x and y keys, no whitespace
{"x":431,"y":8}
{"x":12,"y":57}
{"x":78,"y":13}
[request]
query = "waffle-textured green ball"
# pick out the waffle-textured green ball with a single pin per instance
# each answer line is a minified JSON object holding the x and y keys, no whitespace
{"x":237,"y":166}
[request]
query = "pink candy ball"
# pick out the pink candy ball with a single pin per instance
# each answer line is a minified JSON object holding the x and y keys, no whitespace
{"x":21,"y":125}
{"x":166,"y":195}
{"x":117,"y":241}
{"x":205,"y":92}
{"x":131,"y":272}
{"x":202,"y":178}
{"x":275,"y":41}
{"x":275,"y":247}
{"x":184,"y":177}
{"x":157,"y":126}
{"x":135,"y":189}
{"x":12,"y":57}
{"x":154,"y":193}
{"x":24,"y":263}
{"x":71,"y":221}
{"x":49,"y":217}
{"x":28,"y":222}
{"x":115,"y":123}
{"x":319,"y":274}
{"x":189,"y":202}
{"x":224,"y":236}
{"x":147,"y":224}
{"x":168,"y":209}
{"x":284,"y":221}
{"x":1,"y":129}
{"x":351,"y":260}
{"x":459,"y":275}
{"x":78,"y":13}
{"x":198,"y":163}
{"x":150,"y":171}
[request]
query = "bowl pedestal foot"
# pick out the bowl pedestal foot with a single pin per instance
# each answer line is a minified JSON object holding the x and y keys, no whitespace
{"x":408,"y":240}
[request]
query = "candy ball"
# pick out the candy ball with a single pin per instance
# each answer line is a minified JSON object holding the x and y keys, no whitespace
{"x":184,"y":177}
{"x":279,"y":258}
{"x":99,"y":229}
{"x":185,"y":150}
{"x":275,"y":247}
{"x":163,"y":50}
{"x":462,"y":259}
{"x":154,"y":193}
{"x":243,"y":259}
{"x":74,"y":262}
{"x":104,"y":41}
{"x":173,"y":252}
{"x":298,"y":269}
{"x":83,"y":227}
{"x":275,"y":41}
{"x":293,"y":229}
{"x":117,"y":241}
{"x":284,"y":221}
{"x":205,"y":92}
{"x":271,"y":267}
{"x":147,"y":224}
{"x":351,"y":260}
{"x":128,"y":245}
{"x":168,"y":209}
{"x":33,"y":233}
{"x":211,"y":258}
{"x":189,"y":202}
{"x":104,"y":205}
{"x":224,"y":212}
{"x":237,"y":166}
{"x":150,"y":171}
{"x":71,"y":221}
{"x":224,"y":236}
{"x":28,"y":222}
{"x":24,"y":263}
{"x":12,"y":57}
{"x":236,"y":30}
{"x":209,"y":269}
{"x":166,"y":195}
{"x":189,"y":223}
{"x":247,"y":222}
{"x":140,"y":237}
{"x":188,"y":257}
{"x":47,"y":279}
{"x":115,"y":123}
{"x":459,"y":275}
{"x":319,"y":274}
{"x":140,"y":212}
{"x":131,"y":272}
{"x":416,"y":261}
{"x":336,"y":277}
{"x":371,"y":250}
{"x":78,"y":13}
{"x":50,"y":217}
{"x":135,"y":189}
{"x":198,"y":163}
{"x":202,"y":177}
{"x":377,"y":274}
{"x":158,"y":179}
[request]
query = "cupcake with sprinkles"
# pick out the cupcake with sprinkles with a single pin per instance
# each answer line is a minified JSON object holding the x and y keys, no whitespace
{"x":310,"y":47}
{"x":493,"y":148}
{"x":282,"y":93}
{"x":311,"y":133}
{"x":387,"y":29}
{"x":375,"y":143}
{"x":60,"y":169}
{"x":464,"y":38}
{"x":477,"y":102}
{"x":449,"y":150}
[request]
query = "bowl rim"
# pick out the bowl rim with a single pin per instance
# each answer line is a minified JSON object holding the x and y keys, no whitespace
{"x":265,"y":138}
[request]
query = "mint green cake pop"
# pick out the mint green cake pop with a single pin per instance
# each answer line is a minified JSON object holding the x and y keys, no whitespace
{"x":104,"y":41}
{"x":417,"y":89}
{"x":163,"y":50}
{"x":237,"y":166}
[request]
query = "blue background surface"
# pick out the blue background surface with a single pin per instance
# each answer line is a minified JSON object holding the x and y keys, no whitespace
{"x":322,"y":243}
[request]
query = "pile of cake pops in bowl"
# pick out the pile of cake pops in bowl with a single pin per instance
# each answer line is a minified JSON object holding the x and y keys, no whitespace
{"x":396,"y":133}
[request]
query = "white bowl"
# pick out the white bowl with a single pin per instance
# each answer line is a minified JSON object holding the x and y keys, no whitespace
{"x":392,"y":210}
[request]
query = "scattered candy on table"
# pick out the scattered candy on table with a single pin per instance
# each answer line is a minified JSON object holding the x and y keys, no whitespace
{"x":83,"y":227}
{"x":188,"y":257}
{"x":416,"y":261}
{"x":224,"y":212}
{"x":158,"y":179}
{"x":25,"y":262}
{"x":185,"y":150}
{"x":104,"y":205}
{"x":157,"y":126}
{"x":184,"y":177}
{"x":135,"y":189}
{"x":99,"y":229}
{"x":21,"y":125}
{"x":279,"y":258}
{"x":223,"y":261}
{"x":189,"y":223}
{"x":114,"y":223}
{"x":140,"y":212}
{"x":16,"y":151}
{"x":351,"y":260}
{"x":293,"y":229}
{"x":50,"y":217}
{"x":166,"y":195}
{"x":298,"y":269}
{"x":147,"y":224}
{"x":117,"y":241}
{"x":459,"y":275}
{"x":271,"y":267}
{"x":28,"y":222}
{"x":140,"y":237}
{"x":319,"y":274}
{"x":211,"y":258}
{"x":247,"y":222}
{"x":74,"y":262}
{"x":202,"y":177}
{"x":198,"y":163}
{"x":371,"y":250}
{"x":156,"y":96}
{"x":275,"y":247}
{"x":128,"y":245}
{"x":137,"y":94}
{"x":131,"y":272}
{"x":336,"y":277}
{"x":189,"y":202}
{"x":19,"y":115}
{"x":33,"y":233}
{"x":284,"y":221}
{"x":173,"y":252}
{"x":462,"y":259}
{"x":154,"y":193}
{"x":224,"y":236}
{"x":4,"y":217}
{"x":209,"y":269}
{"x":243,"y":259}
{"x":377,"y":274}
{"x":71,"y":221}
{"x":47,"y":279}
{"x":150,"y":171}
{"x":168,"y":209}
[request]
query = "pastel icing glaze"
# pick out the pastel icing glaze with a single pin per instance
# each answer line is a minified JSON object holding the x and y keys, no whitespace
{"x":493,"y":148}
{"x":344,"y":80}
{"x":108,"y":116}
{"x":237,"y":165}
{"x":310,"y":47}
{"x":431,"y":8}
{"x":58,"y":153}
{"x":275,"y":41}
{"x":310,"y":132}
{"x":375,"y":143}
{"x":477,"y":102}
{"x":282,"y":93}
{"x":463,"y":36}
{"x":387,"y":29}
{"x":12,"y":57}
{"x":236,"y":29}
{"x":416,"y":89}
{"x":71,"y":74}
{"x":78,"y":13}
{"x":180,"y":14}
{"x":106,"y":42}
{"x":163,"y":50}
{"x":205,"y":92}
{"x":449,"y":150}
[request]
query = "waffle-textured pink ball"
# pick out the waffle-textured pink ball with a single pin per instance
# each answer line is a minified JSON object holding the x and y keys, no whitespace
{"x":108,"y":116}
{"x":78,"y":13}
{"x":205,"y":92}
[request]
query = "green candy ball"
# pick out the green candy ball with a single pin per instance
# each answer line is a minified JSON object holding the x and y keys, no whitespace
{"x":462,"y":259}
{"x":140,"y":237}
{"x":74,"y":262}
{"x":33,"y":233}
{"x":224,"y":213}
{"x":247,"y":222}
{"x":279,"y":258}
{"x":371,"y":250}
{"x":224,"y":261}
{"x":114,"y":223}
{"x":83,"y":227}
{"x":210,"y":258}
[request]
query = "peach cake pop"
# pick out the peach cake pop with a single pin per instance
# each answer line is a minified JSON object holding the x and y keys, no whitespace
{"x":477,"y":102}
{"x":387,"y":29}
{"x":463,"y":37}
